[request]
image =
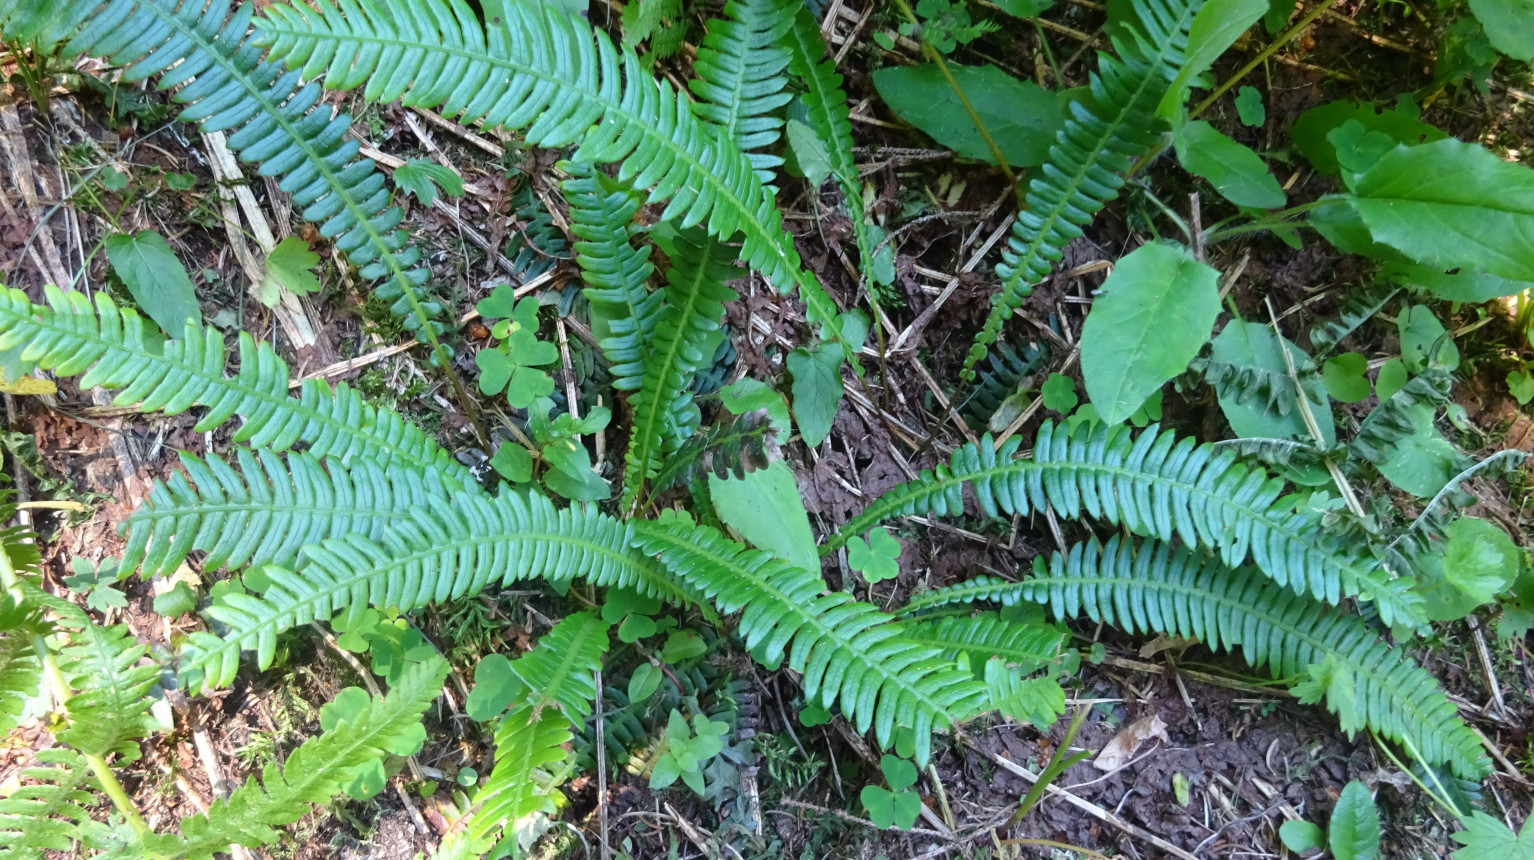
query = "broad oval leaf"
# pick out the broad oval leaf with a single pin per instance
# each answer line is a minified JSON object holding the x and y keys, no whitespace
{"x":1215,"y":28}
{"x":1452,"y":204}
{"x":1153,"y":315}
{"x":1232,"y":168}
{"x":1354,"y":833}
{"x":765,"y":507}
{"x":157,"y":280}
{"x":1021,"y":116}
{"x":1509,"y":25}
{"x":1311,"y":129}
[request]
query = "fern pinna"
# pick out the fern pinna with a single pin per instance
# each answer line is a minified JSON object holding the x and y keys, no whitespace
{"x":1101,"y":138}
{"x":205,"y":54}
{"x":1159,"y":486}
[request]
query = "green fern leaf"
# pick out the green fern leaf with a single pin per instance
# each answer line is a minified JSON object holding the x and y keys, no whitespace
{"x":20,"y":668}
{"x":53,"y":811}
{"x":266,"y":510}
{"x":846,"y":651}
{"x":274,"y":118}
{"x":986,"y":635}
{"x":624,"y":312}
{"x":313,"y":773}
{"x":741,"y":80}
{"x":110,"y":711}
{"x":726,"y":448}
{"x":1097,"y":145}
{"x":664,"y":413}
{"x":559,"y":671}
{"x":1156,"y":589}
{"x":109,"y":346}
{"x":1391,"y":421}
{"x":1156,"y":486}
{"x":533,"y":67}
{"x":445,"y":552}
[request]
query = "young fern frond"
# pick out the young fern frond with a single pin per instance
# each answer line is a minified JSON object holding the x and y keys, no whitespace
{"x":274,"y":119}
{"x":531,"y":740}
{"x":109,"y":706}
{"x":664,"y":413}
{"x":1358,"y":307}
{"x":1156,"y":486}
{"x":314,"y":773}
{"x":52,"y":812}
{"x":1155,"y":589}
{"x":846,"y":651}
{"x":1102,"y":136}
{"x":21,"y":669}
{"x":109,"y":346}
{"x":732,"y":447}
{"x":444,"y":552}
{"x":535,"y":68}
{"x":1392,"y":421}
{"x":741,"y":80}
{"x":266,"y":510}
{"x":1271,"y":390}
{"x":624,"y":311}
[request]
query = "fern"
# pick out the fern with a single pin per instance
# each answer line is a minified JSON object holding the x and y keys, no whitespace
{"x":109,"y":706}
{"x":1173,"y":592}
{"x":275,"y":120}
{"x":1005,"y":372}
{"x":312,"y":774}
{"x":664,"y":413}
{"x":1358,"y":307}
{"x":267,"y":509}
{"x":847,"y":651}
{"x":53,"y":812}
{"x":727,"y":448}
{"x":741,"y":78}
{"x":1155,"y":486}
{"x":986,"y":635}
{"x":443,"y":553}
{"x":20,"y":667}
{"x":624,"y":312}
{"x":108,"y":345}
{"x":1098,"y":143}
{"x":1272,"y":389}
{"x":1391,"y":421}
{"x":537,"y":68}
{"x":530,"y":740}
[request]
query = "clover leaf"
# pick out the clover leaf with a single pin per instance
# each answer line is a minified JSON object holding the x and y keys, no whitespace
{"x":876,"y":558}
{"x":893,"y":806}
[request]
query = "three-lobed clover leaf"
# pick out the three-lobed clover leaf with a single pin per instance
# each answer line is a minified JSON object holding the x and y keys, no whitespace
{"x":496,"y":688}
{"x":877,"y":558}
{"x":1059,"y":393}
{"x":895,"y":806}
{"x":513,"y":365}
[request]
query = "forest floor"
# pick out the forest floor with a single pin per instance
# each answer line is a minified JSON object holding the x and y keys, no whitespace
{"x":1237,"y":755}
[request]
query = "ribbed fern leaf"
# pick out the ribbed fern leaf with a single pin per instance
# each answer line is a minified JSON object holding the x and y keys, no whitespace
{"x":1098,"y":143}
{"x":664,"y":413}
{"x":536,"y":68}
{"x":741,"y":80}
{"x":109,"y":346}
{"x":276,"y":120}
{"x":532,"y":739}
{"x":110,"y":710}
{"x":986,"y":635}
{"x":1392,"y":421}
{"x":726,"y":448}
{"x":52,"y":810}
{"x":624,"y":311}
{"x":846,"y":651}
{"x":443,"y":553}
{"x":313,"y":773}
{"x":20,"y":668}
{"x":266,"y":510}
{"x":1156,"y":589}
{"x":1157,"y":486}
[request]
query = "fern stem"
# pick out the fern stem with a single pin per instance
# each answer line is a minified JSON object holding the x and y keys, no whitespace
{"x":120,"y":799}
{"x":1262,"y":56}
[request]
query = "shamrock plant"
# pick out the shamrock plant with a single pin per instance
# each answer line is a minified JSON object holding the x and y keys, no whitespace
{"x":896,"y":806}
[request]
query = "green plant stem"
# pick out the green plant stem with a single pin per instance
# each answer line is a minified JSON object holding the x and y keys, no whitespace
{"x":120,"y":798}
{"x":1219,"y":233}
{"x":1058,"y":763}
{"x":935,"y":57}
{"x":1262,"y":56}
{"x":1441,"y":796}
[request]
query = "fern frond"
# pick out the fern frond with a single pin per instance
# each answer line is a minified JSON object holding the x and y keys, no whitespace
{"x":442,"y":553}
{"x":741,"y":80}
{"x":536,"y":68}
{"x":313,"y":773}
{"x":20,"y":668}
{"x":1156,"y":589}
{"x":846,"y":651}
{"x":559,"y":671}
{"x":1101,"y":138}
{"x":274,"y":119}
{"x":664,"y":413}
{"x":986,"y":635}
{"x":109,"y":710}
{"x":108,"y":345}
{"x":1156,"y":486}
{"x":1391,"y":421}
{"x":1038,"y":700}
{"x":265,"y":510}
{"x":1005,"y":371}
{"x":992,"y":589}
{"x":624,"y":311}
{"x":1358,"y":307}
{"x":52,"y":812}
{"x":726,"y":448}
{"x":1273,"y":390}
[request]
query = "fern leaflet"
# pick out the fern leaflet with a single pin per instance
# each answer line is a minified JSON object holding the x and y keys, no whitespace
{"x":1156,"y":486}
{"x":20,"y":668}
{"x":1157,"y":589}
{"x":52,"y":812}
{"x":741,"y":80}
{"x":847,"y":651}
{"x":1102,"y":136}
{"x":110,"y":711}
